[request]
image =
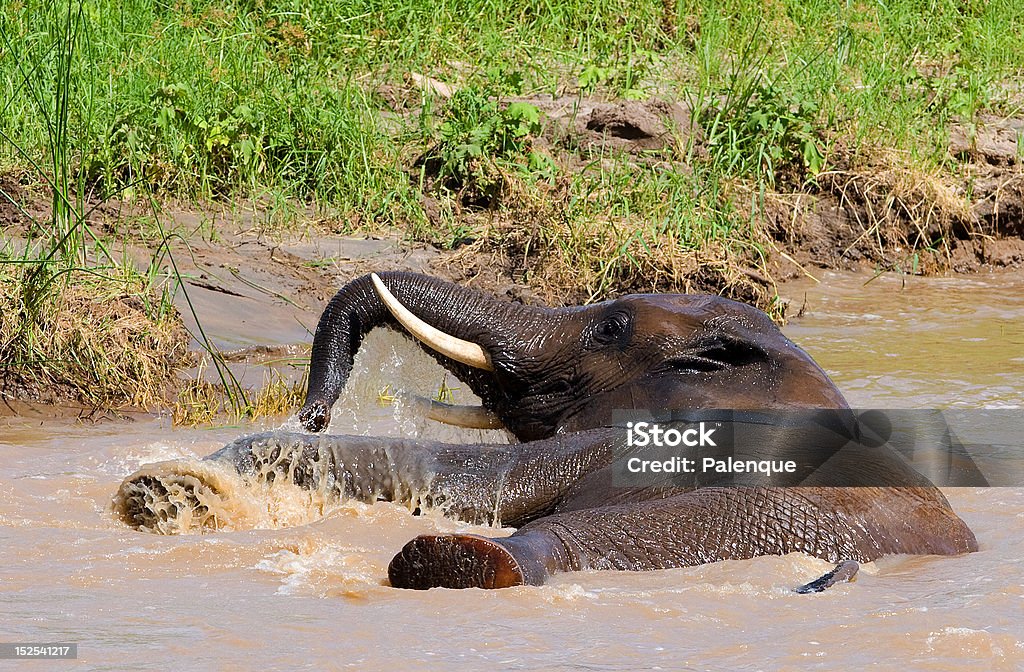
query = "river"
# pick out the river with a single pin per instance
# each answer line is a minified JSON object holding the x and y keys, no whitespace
{"x":306,"y":589}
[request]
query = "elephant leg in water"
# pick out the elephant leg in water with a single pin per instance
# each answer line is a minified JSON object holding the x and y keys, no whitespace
{"x":525,"y":484}
{"x":696,"y":527}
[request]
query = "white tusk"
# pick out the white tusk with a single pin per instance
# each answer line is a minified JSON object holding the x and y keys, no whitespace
{"x":466,"y":352}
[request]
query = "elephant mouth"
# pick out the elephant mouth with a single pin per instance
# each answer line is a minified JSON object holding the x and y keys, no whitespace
{"x":694,"y":365}
{"x":716,"y":354}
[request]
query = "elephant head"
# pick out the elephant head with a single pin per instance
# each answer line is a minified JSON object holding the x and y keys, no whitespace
{"x":545,"y":371}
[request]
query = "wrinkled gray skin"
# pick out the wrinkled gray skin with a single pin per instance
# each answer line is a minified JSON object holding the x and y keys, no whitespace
{"x":558,"y":375}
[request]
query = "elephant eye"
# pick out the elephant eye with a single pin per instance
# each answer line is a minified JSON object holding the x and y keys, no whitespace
{"x":730,"y":351}
{"x":614,"y":328}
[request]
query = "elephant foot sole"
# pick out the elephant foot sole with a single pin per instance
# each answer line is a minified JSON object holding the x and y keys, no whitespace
{"x":454,"y":561}
{"x":182,"y":497}
{"x":167,"y":506}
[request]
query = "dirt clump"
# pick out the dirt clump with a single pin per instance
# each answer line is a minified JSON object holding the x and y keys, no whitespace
{"x":990,"y":139}
{"x":632,"y":126}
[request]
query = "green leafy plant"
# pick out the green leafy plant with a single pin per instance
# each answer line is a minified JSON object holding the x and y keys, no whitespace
{"x":765,"y":134}
{"x":623,"y":77}
{"x":170,"y":136}
{"x":481,"y":141}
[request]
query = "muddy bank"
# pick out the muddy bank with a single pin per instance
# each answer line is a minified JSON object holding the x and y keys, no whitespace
{"x":854,"y":210}
{"x":881,"y":211}
{"x":886,"y":213}
{"x":252,"y":287}
{"x":866,"y":211}
{"x":863,"y":210}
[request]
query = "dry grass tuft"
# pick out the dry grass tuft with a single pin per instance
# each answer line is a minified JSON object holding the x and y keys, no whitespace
{"x":898,"y":204}
{"x":566,"y":258}
{"x":95,"y":342}
{"x":201,"y":402}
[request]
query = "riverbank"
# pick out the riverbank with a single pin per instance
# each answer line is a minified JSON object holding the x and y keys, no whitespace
{"x":165,"y":153}
{"x":250,"y":300}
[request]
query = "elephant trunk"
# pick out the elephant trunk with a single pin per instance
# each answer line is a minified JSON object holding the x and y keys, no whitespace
{"x":358,"y":308}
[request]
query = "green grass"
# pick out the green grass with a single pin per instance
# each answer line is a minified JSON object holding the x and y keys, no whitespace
{"x":223,"y":99}
{"x":280,"y":101}
{"x":79,"y":321}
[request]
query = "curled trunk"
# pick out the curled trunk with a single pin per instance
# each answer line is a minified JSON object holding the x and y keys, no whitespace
{"x":357,"y":309}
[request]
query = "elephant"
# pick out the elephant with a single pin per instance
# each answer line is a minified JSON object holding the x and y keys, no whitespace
{"x":555,"y":378}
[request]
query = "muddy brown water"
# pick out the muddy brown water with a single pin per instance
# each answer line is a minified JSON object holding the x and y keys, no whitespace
{"x":305,"y":590}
